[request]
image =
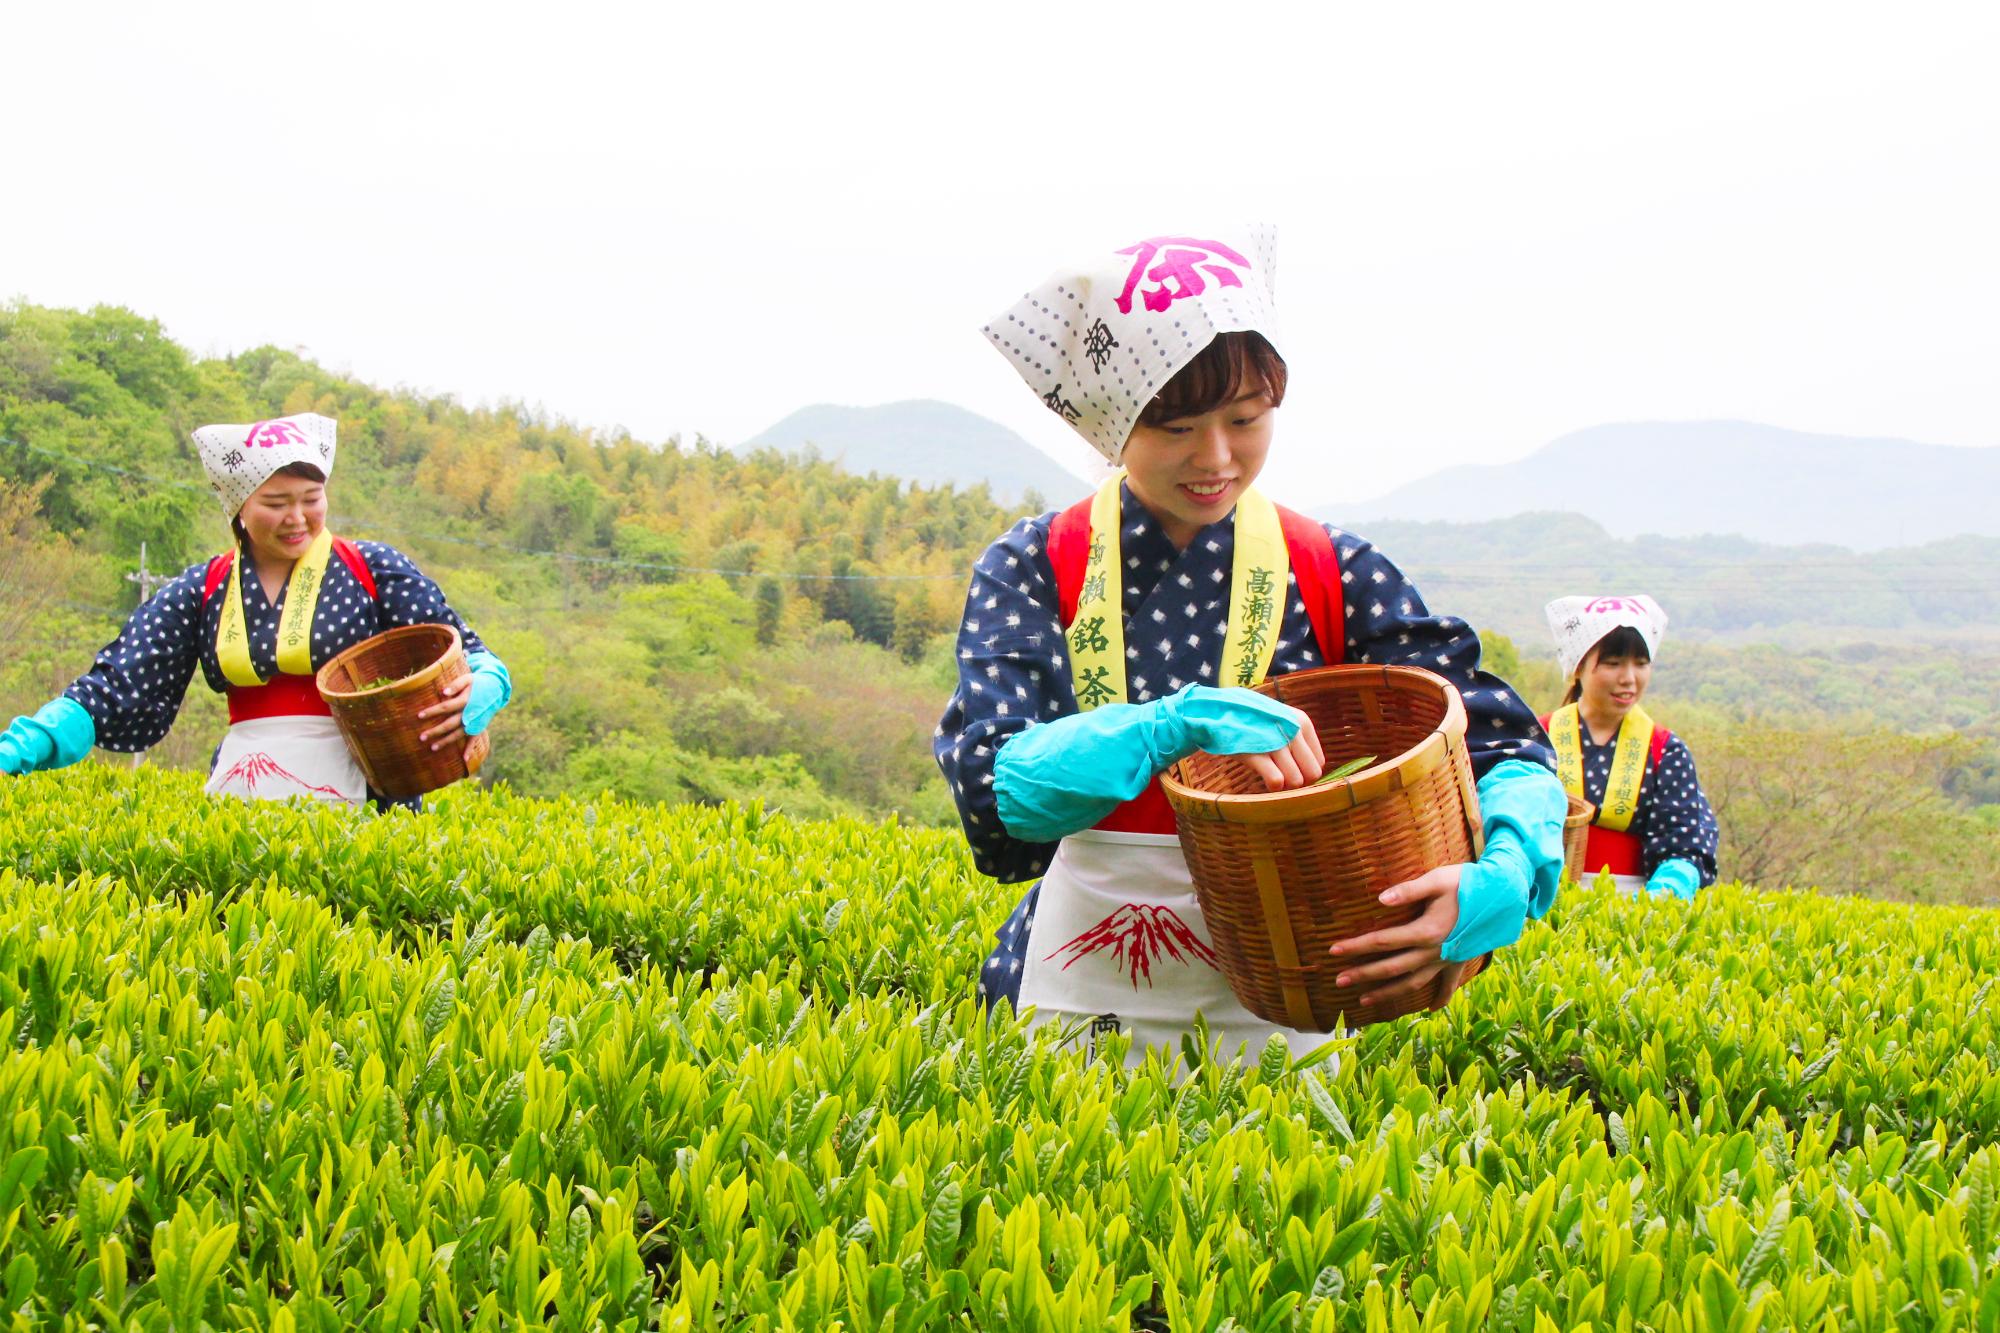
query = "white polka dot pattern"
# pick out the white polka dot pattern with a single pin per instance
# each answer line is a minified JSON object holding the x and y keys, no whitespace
{"x":1581,"y":623}
{"x":1013,"y":671}
{"x":1673,"y":821}
{"x":1098,"y":340}
{"x":134,"y":690}
{"x":1013,"y":674}
{"x":239,"y":459}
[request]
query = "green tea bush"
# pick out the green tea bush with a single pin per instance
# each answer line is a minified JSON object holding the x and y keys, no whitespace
{"x":575,"y":1065}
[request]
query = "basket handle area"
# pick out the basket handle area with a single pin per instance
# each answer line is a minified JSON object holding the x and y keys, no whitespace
{"x":1475,"y":830}
{"x":1294,"y":975}
{"x":1284,"y":948}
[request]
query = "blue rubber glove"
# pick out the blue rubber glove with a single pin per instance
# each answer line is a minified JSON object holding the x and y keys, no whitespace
{"x":491,"y":688}
{"x":60,"y":733}
{"x":1675,"y":876}
{"x":1521,"y":808}
{"x":1058,"y":777}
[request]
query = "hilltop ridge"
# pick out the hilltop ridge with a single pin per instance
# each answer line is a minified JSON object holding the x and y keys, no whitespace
{"x":1694,"y":478}
{"x":924,"y":441}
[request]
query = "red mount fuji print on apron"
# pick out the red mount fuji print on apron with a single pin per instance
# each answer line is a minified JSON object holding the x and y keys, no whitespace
{"x":252,"y":770}
{"x":1136,"y":935}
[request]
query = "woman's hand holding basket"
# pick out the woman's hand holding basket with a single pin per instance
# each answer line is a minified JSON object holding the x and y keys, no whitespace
{"x":1476,"y":907}
{"x":470,"y":701}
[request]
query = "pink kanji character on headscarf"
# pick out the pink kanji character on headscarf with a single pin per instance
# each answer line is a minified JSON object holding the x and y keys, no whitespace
{"x":272,"y":434}
{"x":1182,"y":261}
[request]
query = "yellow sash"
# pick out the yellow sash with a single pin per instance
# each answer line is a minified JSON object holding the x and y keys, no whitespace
{"x":1628,"y":762}
{"x":232,"y":637}
{"x":1259,"y":573}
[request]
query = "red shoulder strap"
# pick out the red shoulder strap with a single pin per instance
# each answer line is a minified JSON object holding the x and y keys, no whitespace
{"x":357,"y":565}
{"x":1069,"y":553}
{"x":218,"y":572}
{"x":1317,"y":569}
{"x":350,"y":555}
{"x":1307,"y":546}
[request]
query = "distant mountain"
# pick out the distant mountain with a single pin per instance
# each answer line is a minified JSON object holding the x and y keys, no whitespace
{"x":1499,"y":575}
{"x":924,"y":441}
{"x":1689,"y":478}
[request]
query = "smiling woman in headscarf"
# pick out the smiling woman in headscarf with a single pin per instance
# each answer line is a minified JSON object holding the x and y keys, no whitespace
{"x":259,"y":620}
{"x":1654,"y":827}
{"x":1104,"y":643}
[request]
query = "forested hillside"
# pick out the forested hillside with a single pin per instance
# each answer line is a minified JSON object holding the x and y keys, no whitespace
{"x":681,"y":622}
{"x":688,"y":624}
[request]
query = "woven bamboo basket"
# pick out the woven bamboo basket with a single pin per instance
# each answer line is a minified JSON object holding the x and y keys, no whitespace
{"x":1576,"y":836}
{"x":381,"y":725}
{"x":1283,"y":875}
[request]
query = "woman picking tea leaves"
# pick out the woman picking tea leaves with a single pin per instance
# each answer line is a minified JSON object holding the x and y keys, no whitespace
{"x":259,"y":620}
{"x":1653,"y":828}
{"x":1102,"y":644}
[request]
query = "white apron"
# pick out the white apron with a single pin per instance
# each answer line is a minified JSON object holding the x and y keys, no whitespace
{"x":1117,"y":940}
{"x":273,"y":758}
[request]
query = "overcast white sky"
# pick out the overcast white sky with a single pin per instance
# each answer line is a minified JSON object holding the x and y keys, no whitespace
{"x":1497,"y":223}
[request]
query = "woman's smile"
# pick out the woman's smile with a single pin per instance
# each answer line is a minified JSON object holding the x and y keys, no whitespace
{"x":1208,"y":492}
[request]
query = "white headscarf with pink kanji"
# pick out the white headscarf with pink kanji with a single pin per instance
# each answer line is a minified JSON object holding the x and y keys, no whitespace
{"x":239,"y":459}
{"x":1580,"y":624}
{"x":1097,"y":340}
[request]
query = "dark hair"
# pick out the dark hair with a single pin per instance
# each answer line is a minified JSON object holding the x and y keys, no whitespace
{"x":1217,"y":376}
{"x":303,"y":471}
{"x":1621,"y":642}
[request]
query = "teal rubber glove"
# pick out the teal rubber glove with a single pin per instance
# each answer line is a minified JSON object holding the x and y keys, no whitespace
{"x":1058,"y":777}
{"x":1675,"y":876}
{"x":492,"y":687}
{"x":1521,"y":808}
{"x":60,"y":733}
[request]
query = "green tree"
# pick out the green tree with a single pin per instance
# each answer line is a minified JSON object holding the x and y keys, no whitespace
{"x":912,"y":626}
{"x":651,"y":551}
{"x":770,"y":611}
{"x":559,"y":511}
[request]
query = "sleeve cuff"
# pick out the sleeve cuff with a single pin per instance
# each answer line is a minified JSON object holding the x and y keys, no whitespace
{"x":492,"y":688}
{"x":60,"y":733}
{"x":1680,"y":878}
{"x":1521,"y":812}
{"x":1033,"y":807}
{"x":71,"y":727}
{"x":1493,"y":899}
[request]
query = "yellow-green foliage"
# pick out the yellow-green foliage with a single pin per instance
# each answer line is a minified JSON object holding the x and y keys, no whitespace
{"x":517,"y":1063}
{"x":794,"y":678}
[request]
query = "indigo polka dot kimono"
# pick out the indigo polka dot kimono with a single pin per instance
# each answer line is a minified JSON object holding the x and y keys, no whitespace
{"x":1673,"y":821}
{"x":1013,"y":670}
{"x":135,"y":688}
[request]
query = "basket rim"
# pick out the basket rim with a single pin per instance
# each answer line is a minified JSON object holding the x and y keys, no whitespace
{"x":407,"y":684}
{"x":1580,"y":812}
{"x":1370,"y":784}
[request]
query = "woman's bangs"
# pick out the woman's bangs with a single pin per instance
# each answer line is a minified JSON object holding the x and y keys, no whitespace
{"x":1623,"y":642}
{"x":1217,"y":376}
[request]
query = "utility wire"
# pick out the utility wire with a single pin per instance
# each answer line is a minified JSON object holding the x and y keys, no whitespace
{"x":616,"y":562}
{"x":568,"y":556}
{"x":1741,"y":576}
